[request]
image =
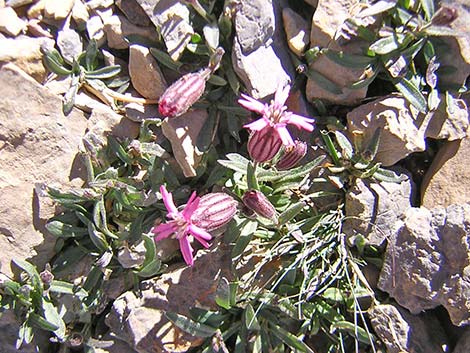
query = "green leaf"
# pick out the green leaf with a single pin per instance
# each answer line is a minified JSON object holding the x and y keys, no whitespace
{"x":346,"y":146}
{"x":223,"y":294}
{"x":69,"y":97}
{"x":59,"y":229}
{"x":372,"y":147}
{"x":441,"y":31}
{"x":333,"y":294}
{"x":330,"y":147}
{"x":193,"y":328}
{"x":428,"y":8}
{"x":412,"y":94}
{"x":389,"y":176}
{"x":67,"y":288}
{"x":91,"y":56}
{"x":52,"y":316}
{"x":41,"y":323}
{"x":349,"y":60}
{"x":251,"y":176}
{"x":165,"y":59}
{"x":355,"y":331}
{"x":98,"y":239}
{"x":378,"y":8}
{"x":30,"y":270}
{"x":217,"y":80}
{"x":249,"y":317}
{"x":288,"y":338}
{"x":248,"y":227}
{"x":301,"y":171}
{"x":150,"y":269}
{"x":385,"y":45}
{"x":54,"y":62}
{"x":103,"y":73}
{"x":235,"y":162}
{"x":324,"y":82}
{"x":367,"y":80}
{"x":207,"y":133}
{"x":291,"y":212}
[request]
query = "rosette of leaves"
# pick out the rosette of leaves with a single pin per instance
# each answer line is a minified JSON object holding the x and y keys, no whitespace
{"x":355,"y":161}
{"x":34,"y":299}
{"x":84,"y":70}
{"x":403,"y":49}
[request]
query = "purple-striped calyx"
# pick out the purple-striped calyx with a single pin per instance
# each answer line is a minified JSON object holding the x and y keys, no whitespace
{"x":214,"y":211}
{"x":184,"y":92}
{"x":264,"y":144}
{"x":292,"y":155}
{"x":257,"y":202}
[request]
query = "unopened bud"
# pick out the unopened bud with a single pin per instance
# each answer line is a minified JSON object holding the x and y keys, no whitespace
{"x":444,"y":16}
{"x":264,"y":144}
{"x":259,"y":203}
{"x":292,"y":155}
{"x":46,"y":277}
{"x":214,"y":211}
{"x":182,"y":94}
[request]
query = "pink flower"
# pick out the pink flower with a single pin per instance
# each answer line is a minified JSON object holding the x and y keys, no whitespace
{"x":181,"y":225}
{"x":275,"y":115}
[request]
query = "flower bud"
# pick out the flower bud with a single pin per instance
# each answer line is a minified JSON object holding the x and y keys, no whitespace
{"x":259,"y":203}
{"x":292,"y":155}
{"x":214,"y":211}
{"x":444,"y":16}
{"x":182,"y":94}
{"x":264,"y":144}
{"x":46,"y":277}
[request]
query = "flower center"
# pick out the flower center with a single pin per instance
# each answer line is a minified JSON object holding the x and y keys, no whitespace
{"x":275,"y":112}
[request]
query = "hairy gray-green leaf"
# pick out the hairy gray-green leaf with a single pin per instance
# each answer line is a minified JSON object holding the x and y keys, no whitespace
{"x":193,"y":328}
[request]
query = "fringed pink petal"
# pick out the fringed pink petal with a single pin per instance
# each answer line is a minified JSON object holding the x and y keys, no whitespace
{"x":186,"y":251}
{"x":251,"y":104}
{"x":191,"y":206}
{"x":300,"y":122}
{"x":285,"y":136}
{"x":257,"y":125}
{"x":168,"y":201}
{"x":281,"y":94}
{"x":200,"y":234}
{"x":163,"y":231}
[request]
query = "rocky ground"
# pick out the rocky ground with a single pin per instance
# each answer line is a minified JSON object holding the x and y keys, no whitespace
{"x":84,"y":149}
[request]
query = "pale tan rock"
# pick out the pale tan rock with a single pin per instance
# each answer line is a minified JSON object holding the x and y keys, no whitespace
{"x":80,"y":13}
{"x":25,"y":52}
{"x":171,"y":17}
{"x":36,"y":29}
{"x":99,"y":4}
{"x":95,"y":30}
{"x":58,"y":9}
{"x":447,"y":180}
{"x":182,"y":133}
{"x":39,"y":145}
{"x":118,"y":27}
{"x":146,"y":76}
{"x":36,"y":10}
{"x":10,"y":23}
{"x":297,"y":31}
{"x":449,"y":123}
{"x":400,"y":126}
{"x":328,"y":20}
{"x":140,"y":319}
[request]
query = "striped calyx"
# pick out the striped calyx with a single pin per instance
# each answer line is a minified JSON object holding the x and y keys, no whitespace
{"x":264,"y":144}
{"x":182,"y":94}
{"x":259,"y":203}
{"x":214,"y":211}
{"x":292,"y":155}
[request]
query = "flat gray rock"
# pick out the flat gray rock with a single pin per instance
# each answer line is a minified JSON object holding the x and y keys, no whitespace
{"x":427,"y":260}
